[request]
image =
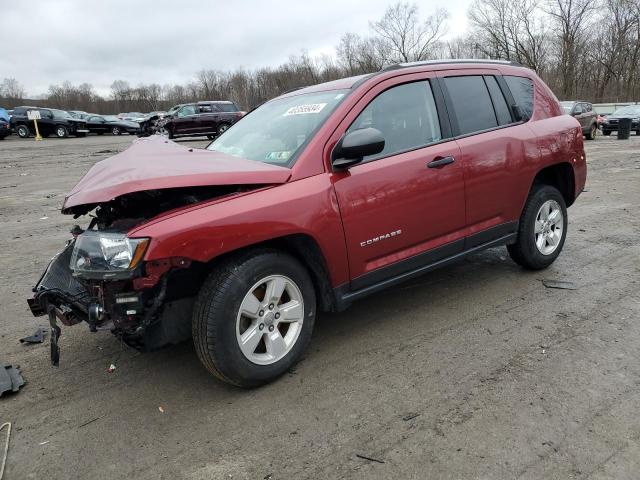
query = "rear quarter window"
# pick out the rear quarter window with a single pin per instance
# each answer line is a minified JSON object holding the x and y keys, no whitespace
{"x":227,"y":107}
{"x":522,"y":91}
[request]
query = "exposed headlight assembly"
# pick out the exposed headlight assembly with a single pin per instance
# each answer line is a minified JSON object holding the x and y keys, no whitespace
{"x":107,"y":255}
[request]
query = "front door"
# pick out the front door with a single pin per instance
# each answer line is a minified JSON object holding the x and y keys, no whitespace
{"x":403,"y":208}
{"x":185,"y":121}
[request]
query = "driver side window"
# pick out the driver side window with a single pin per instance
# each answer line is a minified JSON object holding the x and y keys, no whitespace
{"x":406,"y":116}
{"x":187,"y":110}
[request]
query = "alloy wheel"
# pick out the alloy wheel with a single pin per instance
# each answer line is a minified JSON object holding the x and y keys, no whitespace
{"x":548,"y":227}
{"x":270,"y":319}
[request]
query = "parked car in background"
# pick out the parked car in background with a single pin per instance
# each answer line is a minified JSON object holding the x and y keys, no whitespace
{"x":79,"y":114}
{"x":610,"y":123}
{"x":208,"y":118}
{"x":5,"y":128}
{"x":5,"y":115}
{"x":585,"y":114}
{"x":151,"y":124}
{"x":102,"y":124}
{"x":52,"y":122}
{"x":318,"y":198}
{"x":132,"y":116}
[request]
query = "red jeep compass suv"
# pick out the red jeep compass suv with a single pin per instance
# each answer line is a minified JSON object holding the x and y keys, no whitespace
{"x":315,"y":199}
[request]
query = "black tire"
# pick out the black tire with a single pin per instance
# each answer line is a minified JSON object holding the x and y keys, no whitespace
{"x":211,"y":137}
{"x":116,"y":131}
{"x":524,"y":251}
{"x":223,"y":127}
{"x":593,"y":131}
{"x":170,"y":134}
{"x":216,"y":310}
{"x":606,"y":133}
{"x":62,"y":131}
{"x":23,"y":131}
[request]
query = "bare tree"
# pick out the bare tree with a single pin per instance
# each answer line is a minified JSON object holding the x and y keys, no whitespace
{"x":571,"y":19}
{"x":12,"y":89}
{"x":409,"y":38}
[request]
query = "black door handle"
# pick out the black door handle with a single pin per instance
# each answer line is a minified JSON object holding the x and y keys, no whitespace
{"x":440,"y":162}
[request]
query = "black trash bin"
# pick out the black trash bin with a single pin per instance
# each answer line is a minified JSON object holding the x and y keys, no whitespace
{"x":624,"y":128}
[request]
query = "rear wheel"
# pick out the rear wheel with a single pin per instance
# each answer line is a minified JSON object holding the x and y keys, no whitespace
{"x":591,"y":134}
{"x":253,"y":317}
{"x":22,"y":131}
{"x":223,"y":127}
{"x":116,"y":131}
{"x":542,"y":229}
{"x":61,"y":131}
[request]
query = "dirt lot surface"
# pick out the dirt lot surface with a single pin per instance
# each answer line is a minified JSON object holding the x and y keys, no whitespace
{"x":473,"y":371}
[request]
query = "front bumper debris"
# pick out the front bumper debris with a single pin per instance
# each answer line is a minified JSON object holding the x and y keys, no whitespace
{"x":134,"y":309}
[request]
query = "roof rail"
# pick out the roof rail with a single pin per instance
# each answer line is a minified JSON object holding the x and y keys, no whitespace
{"x":396,"y":66}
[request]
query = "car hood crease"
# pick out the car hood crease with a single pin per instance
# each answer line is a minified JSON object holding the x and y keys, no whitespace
{"x":155,"y":163}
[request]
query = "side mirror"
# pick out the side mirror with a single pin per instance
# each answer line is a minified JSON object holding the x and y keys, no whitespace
{"x":356,"y":145}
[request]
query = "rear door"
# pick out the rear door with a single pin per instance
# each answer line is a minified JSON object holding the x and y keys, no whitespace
{"x":46,"y":124}
{"x":206,"y":123}
{"x":400,"y":211}
{"x":496,"y":151}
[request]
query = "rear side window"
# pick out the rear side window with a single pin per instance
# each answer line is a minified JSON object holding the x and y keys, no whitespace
{"x":205,"y":108}
{"x":499,"y":103}
{"x":522,"y":91}
{"x":406,"y":115}
{"x":471,"y":103}
{"x":227,"y":107}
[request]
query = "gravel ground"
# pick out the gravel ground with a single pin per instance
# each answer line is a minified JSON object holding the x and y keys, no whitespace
{"x":473,"y":371}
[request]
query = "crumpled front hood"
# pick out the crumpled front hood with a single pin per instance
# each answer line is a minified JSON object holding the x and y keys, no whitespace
{"x":155,"y":163}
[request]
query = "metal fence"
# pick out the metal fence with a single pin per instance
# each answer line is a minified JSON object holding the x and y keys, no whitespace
{"x":609,"y":108}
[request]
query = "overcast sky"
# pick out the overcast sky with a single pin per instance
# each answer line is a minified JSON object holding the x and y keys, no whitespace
{"x":165,"y":41}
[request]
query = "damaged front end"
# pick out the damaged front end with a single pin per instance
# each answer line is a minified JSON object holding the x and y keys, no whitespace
{"x":94,"y":280}
{"x":104,"y":276}
{"x":100,"y":276}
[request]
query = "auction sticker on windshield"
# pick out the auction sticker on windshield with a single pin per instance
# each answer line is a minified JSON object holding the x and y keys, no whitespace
{"x":302,"y":109}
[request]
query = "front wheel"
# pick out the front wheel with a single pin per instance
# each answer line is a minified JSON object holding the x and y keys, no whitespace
{"x":542,"y":229}
{"x":253,"y":317}
{"x":62,"y":131}
{"x":116,"y":131}
{"x":606,"y":133}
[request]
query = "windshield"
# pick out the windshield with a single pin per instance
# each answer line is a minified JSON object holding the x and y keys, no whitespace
{"x":61,"y":114}
{"x":566,"y":106}
{"x":275,"y":131}
{"x":628,"y":110}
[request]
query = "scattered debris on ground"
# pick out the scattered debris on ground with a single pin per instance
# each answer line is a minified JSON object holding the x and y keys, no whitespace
{"x":5,"y":451}
{"x":371,"y":459}
{"x":560,"y":284}
{"x":10,"y":378}
{"x":37,"y":337}
{"x":410,"y":416}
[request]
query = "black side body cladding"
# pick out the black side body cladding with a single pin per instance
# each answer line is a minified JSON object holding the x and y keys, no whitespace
{"x":417,"y":265}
